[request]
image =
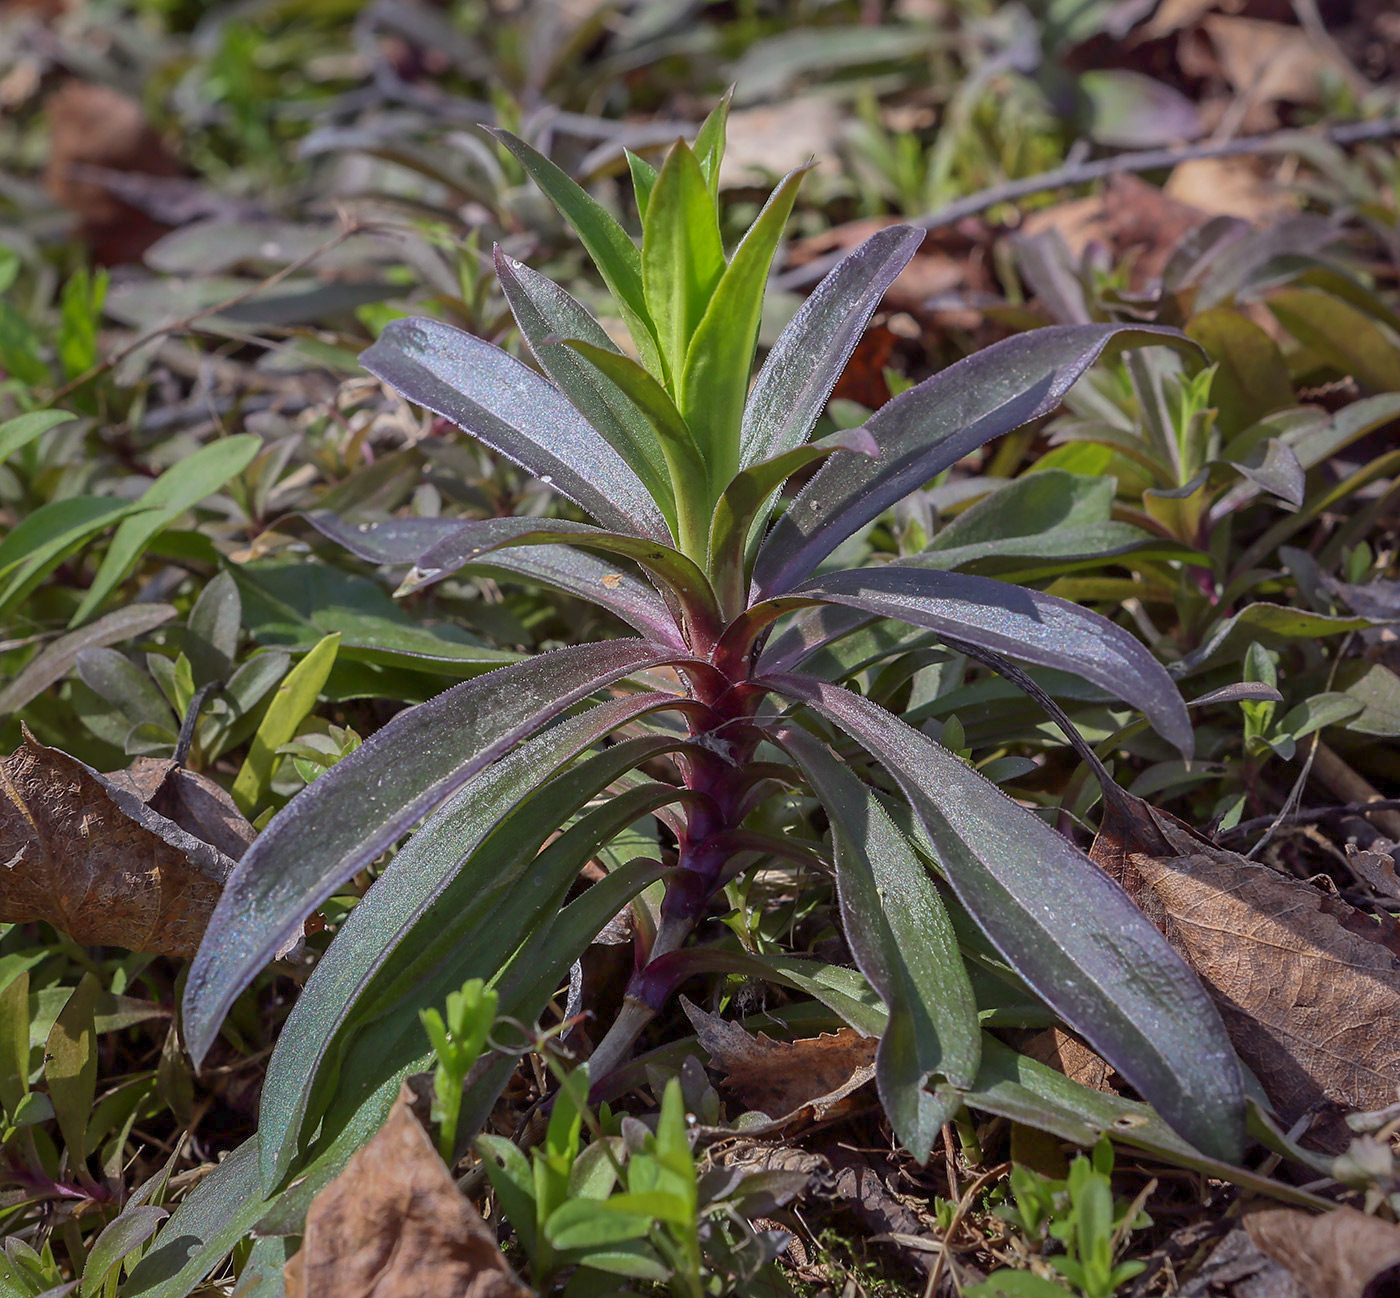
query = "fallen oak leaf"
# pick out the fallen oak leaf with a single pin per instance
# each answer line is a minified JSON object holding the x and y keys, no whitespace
{"x":193,"y":801}
{"x":783,"y":1078}
{"x":85,"y":853}
{"x":393,"y":1224}
{"x":1308,"y":986}
{"x":1341,"y":1254}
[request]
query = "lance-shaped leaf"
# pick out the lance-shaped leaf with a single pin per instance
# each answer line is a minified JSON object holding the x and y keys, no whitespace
{"x":558,"y":567}
{"x":545,"y":312}
{"x":345,"y":819}
{"x":805,"y":363}
{"x":930,"y":427}
{"x":498,"y":802}
{"x":682,"y":254}
{"x":607,"y":243}
{"x":474,"y":540}
{"x":684,"y":463}
{"x":904,"y":943}
{"x":742,"y":500}
{"x":1067,"y":929}
{"x":517,"y":414}
{"x":1023,"y":624}
{"x":714,"y":383}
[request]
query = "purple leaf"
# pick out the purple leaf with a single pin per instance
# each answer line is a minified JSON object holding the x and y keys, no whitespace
{"x":795,"y":381}
{"x":1023,"y":624}
{"x":558,"y":567}
{"x":1074,"y":936}
{"x":927,"y":429}
{"x":474,"y":540}
{"x":903,"y":942}
{"x":517,"y":414}
{"x":362,"y":805}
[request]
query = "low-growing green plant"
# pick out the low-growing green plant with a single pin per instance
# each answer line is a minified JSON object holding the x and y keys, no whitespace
{"x":742,"y":624}
{"x":1080,"y":1214}
{"x":458,"y":1040}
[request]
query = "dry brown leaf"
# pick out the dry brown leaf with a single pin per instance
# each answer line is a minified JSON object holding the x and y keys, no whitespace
{"x":1267,"y":61}
{"x":930,"y":274}
{"x":782,"y":1078}
{"x":86,"y":853}
{"x":1308,"y":986}
{"x":772,"y":139}
{"x":1375,"y":867}
{"x":1130,"y":217}
{"x":1057,"y":1049}
{"x":1230,"y":187}
{"x":192,"y":801}
{"x":95,"y":126}
{"x":393,"y":1224}
{"x":1341,"y":1254}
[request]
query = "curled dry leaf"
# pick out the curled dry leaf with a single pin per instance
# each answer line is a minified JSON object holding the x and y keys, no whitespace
{"x":393,"y":1224}
{"x":94,"y":857}
{"x":1308,"y":986}
{"x":782,"y":1078}
{"x":1342,"y":1254}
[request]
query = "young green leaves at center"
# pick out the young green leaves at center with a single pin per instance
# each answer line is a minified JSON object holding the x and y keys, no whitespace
{"x":682,"y":254}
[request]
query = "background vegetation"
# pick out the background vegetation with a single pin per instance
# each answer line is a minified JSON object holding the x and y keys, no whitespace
{"x":208,"y":213}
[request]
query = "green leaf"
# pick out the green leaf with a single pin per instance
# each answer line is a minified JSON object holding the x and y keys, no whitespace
{"x":545,"y":313}
{"x":118,"y":681}
{"x":19,"y":432}
{"x":14,"y":1042}
{"x":47,"y":536}
{"x":57,"y":658}
{"x":1061,"y":923}
{"x":684,"y":460}
{"x":904,"y":943}
{"x":212,"y":636}
{"x":682,"y":255}
{"x":741,"y":504}
{"x":643,"y":181}
{"x":70,"y":1066}
{"x":1270,"y":624}
{"x":587,"y":1224}
{"x":1340,"y":336}
{"x":514,"y":1184}
{"x":1377,"y":689}
{"x":218,"y":1212}
{"x":714,"y":383}
{"x":295,"y":698}
{"x":1317,"y":712}
{"x":176,"y":490}
{"x":606,"y":242}
{"x":709,"y":142}
{"x":365,"y":803}
{"x":120,"y":1236}
{"x":1252,"y":378}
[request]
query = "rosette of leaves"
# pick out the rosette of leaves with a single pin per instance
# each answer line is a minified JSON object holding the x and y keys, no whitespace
{"x":679,"y":459}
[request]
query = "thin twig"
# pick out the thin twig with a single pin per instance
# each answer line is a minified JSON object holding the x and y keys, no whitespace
{"x":350,"y":226}
{"x":964,"y":1207}
{"x":1082,"y":173}
{"x":1312,"y":816}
